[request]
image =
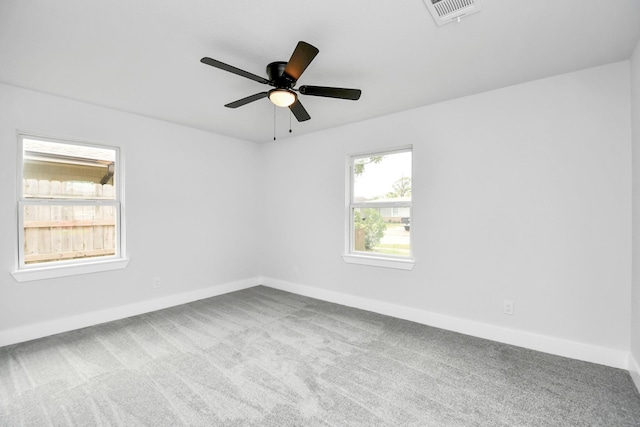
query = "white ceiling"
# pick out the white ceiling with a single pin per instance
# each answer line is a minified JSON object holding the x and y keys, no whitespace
{"x":143,"y":56}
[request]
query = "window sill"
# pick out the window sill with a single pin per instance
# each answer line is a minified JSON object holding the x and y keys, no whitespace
{"x":50,"y":272}
{"x":396,"y":263}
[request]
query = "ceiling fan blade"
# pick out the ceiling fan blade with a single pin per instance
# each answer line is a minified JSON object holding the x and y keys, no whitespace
{"x":300,"y":60}
{"x":298,"y":110}
{"x":331,"y":92}
{"x":248,"y":99}
{"x":232,"y":69}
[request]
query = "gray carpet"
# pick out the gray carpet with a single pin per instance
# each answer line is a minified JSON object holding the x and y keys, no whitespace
{"x":262,"y":357}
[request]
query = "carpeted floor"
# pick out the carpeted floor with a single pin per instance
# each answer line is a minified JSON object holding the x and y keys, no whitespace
{"x":262,"y":357}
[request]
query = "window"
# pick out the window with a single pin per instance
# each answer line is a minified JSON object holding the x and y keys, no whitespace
{"x":70,"y":208}
{"x":379,"y":209}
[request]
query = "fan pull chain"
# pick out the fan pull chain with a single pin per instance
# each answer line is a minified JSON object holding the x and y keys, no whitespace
{"x":290,"y":121}
{"x":274,"y":122}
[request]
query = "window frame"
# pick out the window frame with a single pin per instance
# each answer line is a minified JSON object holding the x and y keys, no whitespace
{"x":350,"y":255}
{"x":45,"y":270}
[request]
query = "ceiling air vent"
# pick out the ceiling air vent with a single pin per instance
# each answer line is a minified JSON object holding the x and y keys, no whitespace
{"x":445,"y":11}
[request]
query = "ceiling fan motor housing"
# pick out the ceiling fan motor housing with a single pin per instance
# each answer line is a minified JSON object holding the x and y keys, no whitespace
{"x":275,"y":71}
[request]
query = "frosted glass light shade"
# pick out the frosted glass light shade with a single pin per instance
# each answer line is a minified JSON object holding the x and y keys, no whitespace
{"x":282,"y":97}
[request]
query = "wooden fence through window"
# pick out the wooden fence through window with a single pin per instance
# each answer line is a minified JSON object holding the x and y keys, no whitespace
{"x":61,"y":232}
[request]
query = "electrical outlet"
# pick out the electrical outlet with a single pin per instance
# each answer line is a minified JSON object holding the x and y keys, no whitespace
{"x":157,"y":282}
{"x":508,"y":307}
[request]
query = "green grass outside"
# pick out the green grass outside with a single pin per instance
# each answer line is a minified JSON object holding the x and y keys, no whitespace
{"x":392,"y":249}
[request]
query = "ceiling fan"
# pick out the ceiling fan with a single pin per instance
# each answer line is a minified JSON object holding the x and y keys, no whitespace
{"x":283,"y":76}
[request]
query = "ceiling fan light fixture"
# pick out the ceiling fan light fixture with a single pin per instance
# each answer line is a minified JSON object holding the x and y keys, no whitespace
{"x":282,"y":97}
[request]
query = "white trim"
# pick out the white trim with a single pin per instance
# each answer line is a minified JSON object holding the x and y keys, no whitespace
{"x":634,"y":371}
{"x":548,"y":344}
{"x":53,"y":271}
{"x":56,"y":326}
{"x":374,"y":261}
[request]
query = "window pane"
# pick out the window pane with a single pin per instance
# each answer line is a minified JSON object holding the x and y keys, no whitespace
{"x":64,"y":232}
{"x":69,"y":208}
{"x":382,"y":178}
{"x":377,"y":233}
{"x":57,"y":170}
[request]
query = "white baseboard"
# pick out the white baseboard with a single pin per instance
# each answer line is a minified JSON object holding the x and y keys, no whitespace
{"x":52,"y":327}
{"x":634,"y":370}
{"x":547,"y":344}
{"x":544,"y":343}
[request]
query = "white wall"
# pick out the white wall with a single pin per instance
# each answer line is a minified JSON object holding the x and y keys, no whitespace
{"x":634,"y":360}
{"x":523,"y":193}
{"x":190,"y":209}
